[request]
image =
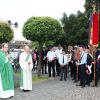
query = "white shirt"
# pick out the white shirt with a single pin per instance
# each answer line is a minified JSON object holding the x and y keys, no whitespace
{"x":99,"y":57}
{"x":61,"y":59}
{"x":51,"y":55}
{"x":58,"y":52}
{"x":69,"y":57}
{"x":83,"y":58}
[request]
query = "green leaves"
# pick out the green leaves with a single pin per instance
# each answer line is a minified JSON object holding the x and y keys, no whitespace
{"x":89,"y":6}
{"x":75,"y":27}
{"x":6,"y":33}
{"x":41,"y":29}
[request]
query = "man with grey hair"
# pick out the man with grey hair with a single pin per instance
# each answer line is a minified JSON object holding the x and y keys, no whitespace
{"x":25,"y":61}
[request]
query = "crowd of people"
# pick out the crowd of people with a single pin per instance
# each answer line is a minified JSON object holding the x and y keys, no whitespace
{"x":57,"y":61}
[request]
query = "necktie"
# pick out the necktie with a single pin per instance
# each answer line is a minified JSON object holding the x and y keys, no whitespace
{"x":63,"y":58}
{"x":81,"y":57}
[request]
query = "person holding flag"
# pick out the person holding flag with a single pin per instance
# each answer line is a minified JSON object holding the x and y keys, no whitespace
{"x":94,"y":35}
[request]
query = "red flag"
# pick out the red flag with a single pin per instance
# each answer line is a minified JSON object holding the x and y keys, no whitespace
{"x":94,"y":29}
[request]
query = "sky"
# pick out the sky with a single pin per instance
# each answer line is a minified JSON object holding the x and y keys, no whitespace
{"x":20,"y":10}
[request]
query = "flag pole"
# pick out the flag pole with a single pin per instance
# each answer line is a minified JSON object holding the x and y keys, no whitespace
{"x":94,"y":60}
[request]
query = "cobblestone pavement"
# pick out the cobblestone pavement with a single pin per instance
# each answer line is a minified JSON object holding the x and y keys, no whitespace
{"x":54,"y":89}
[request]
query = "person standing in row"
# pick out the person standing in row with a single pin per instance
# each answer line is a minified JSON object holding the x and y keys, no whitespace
{"x":88,"y":66}
{"x":63,"y":61}
{"x":82,"y":65}
{"x":97,"y":66}
{"x":58,"y":51}
{"x":6,"y":74}
{"x":44,"y":60}
{"x":26,"y":64}
{"x":51,"y":60}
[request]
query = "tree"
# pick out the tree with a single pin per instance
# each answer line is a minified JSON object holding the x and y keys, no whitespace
{"x":6,"y":32}
{"x":42,"y":30}
{"x":75,"y":28}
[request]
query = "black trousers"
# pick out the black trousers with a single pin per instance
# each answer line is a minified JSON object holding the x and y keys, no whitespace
{"x":44,"y":66}
{"x":34,"y":62}
{"x":97,"y":76}
{"x":63,"y":72}
{"x":57,"y":67}
{"x":98,"y":72}
{"x":73,"y":69}
{"x":82,"y":74}
{"x":88,"y":79}
{"x":51,"y":66}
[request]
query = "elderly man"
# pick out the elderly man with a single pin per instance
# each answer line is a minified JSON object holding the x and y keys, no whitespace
{"x":26,"y":64}
{"x":6,"y":74}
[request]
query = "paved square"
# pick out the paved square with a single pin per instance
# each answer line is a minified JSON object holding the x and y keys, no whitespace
{"x":54,"y":89}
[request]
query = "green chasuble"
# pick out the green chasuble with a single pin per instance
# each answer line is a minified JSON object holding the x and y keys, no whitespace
{"x":6,"y":71}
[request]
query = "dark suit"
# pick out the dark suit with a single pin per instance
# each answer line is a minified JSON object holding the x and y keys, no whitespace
{"x":98,"y":67}
{"x":44,"y":61}
{"x":89,"y":63}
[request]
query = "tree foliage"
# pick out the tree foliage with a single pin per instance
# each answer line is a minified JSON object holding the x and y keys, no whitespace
{"x":6,"y":32}
{"x":41,"y":29}
{"x":75,"y":28}
{"x":89,"y":6}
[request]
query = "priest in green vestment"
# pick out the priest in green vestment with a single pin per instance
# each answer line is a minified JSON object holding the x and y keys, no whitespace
{"x":6,"y":74}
